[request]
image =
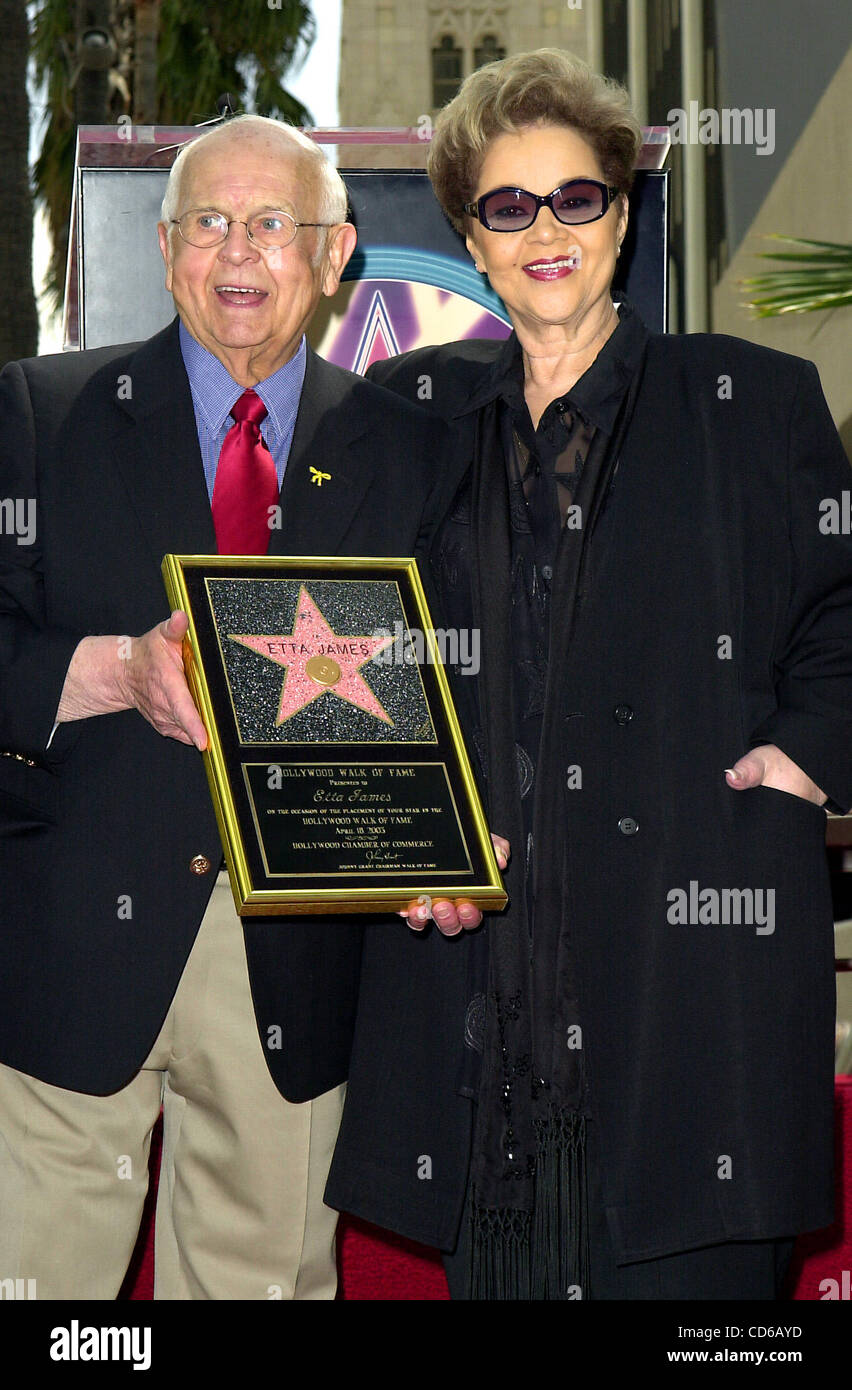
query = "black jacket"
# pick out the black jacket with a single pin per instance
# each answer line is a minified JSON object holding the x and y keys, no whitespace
{"x":106,"y":441}
{"x":719,"y":614}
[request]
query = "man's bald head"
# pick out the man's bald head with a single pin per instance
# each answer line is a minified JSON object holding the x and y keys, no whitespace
{"x":250,"y":304}
{"x":280,"y":139}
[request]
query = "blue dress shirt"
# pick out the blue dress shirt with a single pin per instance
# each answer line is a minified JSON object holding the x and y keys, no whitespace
{"x":214,"y":391}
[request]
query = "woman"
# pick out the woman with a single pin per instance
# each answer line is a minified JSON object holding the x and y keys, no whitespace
{"x":647,"y":1031}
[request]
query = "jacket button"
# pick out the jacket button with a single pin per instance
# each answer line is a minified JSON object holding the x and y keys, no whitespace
{"x":623,"y":714}
{"x":628,"y":825}
{"x":199,"y":865}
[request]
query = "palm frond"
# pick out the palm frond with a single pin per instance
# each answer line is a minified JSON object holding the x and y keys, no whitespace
{"x":203,"y":50}
{"x":820,"y":279}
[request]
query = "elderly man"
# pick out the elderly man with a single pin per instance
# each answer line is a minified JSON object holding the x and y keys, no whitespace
{"x":126,"y":978}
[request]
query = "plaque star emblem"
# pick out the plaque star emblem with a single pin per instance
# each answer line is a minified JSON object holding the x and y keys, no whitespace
{"x":318,"y":662}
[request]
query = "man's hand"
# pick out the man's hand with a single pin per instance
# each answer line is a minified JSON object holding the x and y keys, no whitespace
{"x":767,"y":766}
{"x":107,"y":674}
{"x":453,"y":917}
{"x":154,"y":682}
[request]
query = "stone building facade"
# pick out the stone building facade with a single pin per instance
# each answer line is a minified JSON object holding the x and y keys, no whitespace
{"x":402,"y":60}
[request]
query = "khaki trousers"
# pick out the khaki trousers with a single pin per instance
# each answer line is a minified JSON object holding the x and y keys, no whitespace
{"x":240,"y":1213}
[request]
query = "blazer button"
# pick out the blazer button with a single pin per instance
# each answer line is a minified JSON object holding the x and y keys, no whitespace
{"x":199,"y":865}
{"x":628,"y":825}
{"x":623,"y":714}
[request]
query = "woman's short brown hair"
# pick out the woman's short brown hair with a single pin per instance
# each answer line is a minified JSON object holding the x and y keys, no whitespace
{"x":547,"y":86}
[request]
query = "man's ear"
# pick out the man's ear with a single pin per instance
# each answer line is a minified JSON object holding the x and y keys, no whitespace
{"x":165,"y":251}
{"x":341,"y":243}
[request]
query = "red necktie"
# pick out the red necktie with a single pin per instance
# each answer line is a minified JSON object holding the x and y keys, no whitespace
{"x":246,"y":483}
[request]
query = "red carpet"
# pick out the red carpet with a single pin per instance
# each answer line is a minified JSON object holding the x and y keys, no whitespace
{"x":375,"y":1265}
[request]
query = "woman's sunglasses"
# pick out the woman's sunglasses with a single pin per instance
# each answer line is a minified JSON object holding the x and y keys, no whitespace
{"x":514,"y":209}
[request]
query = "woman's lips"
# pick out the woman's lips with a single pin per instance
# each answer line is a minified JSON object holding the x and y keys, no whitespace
{"x":553,"y":269}
{"x":243,"y":297}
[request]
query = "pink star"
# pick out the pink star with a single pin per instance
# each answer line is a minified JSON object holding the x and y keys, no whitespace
{"x":318,"y":662}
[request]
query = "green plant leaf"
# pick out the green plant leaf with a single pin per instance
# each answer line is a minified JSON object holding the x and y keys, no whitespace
{"x":820,"y":279}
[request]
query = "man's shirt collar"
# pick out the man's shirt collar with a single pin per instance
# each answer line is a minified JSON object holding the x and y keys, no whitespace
{"x":214,"y":390}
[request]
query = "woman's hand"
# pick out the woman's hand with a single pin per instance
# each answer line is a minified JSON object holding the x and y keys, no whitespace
{"x":767,"y":766}
{"x":453,"y":917}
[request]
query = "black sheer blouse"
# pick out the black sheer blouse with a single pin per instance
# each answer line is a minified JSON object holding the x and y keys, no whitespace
{"x":544,"y":466}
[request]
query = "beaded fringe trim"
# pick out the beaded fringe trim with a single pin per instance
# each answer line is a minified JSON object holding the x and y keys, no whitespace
{"x":542,"y":1254}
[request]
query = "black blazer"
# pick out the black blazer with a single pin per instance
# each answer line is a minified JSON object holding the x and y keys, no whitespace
{"x":106,"y":442}
{"x":718,"y":613}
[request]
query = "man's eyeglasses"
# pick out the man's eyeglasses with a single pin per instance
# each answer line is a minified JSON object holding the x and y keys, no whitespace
{"x":514,"y":209}
{"x":268,"y":230}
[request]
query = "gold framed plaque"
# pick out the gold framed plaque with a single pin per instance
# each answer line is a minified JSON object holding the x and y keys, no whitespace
{"x":335,"y":760}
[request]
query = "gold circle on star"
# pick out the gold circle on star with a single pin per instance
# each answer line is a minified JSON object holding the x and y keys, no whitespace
{"x":323,"y":670}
